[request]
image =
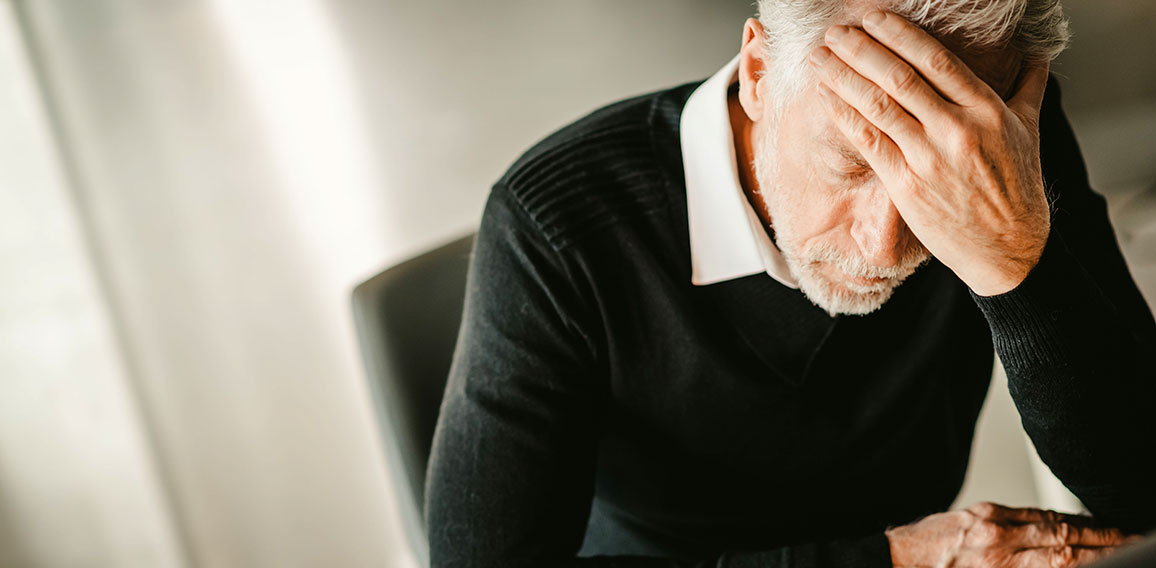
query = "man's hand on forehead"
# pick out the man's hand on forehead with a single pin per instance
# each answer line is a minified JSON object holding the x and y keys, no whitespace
{"x":959,"y":163}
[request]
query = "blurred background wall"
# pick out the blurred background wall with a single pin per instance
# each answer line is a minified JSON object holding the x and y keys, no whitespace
{"x":189,"y":189}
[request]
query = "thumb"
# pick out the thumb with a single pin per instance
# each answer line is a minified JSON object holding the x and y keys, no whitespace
{"x":1030,"y":91}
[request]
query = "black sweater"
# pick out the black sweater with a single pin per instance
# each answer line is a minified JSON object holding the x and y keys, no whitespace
{"x":601,"y":405}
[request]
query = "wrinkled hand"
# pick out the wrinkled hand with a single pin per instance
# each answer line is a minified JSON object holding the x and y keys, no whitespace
{"x":993,"y":536}
{"x":960,"y":165}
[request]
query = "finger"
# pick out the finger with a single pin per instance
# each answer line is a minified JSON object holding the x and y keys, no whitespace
{"x":886,"y":70}
{"x":1029,"y":96}
{"x":997,"y":512}
{"x":872,"y":102}
{"x":942,"y":68}
{"x":1059,"y":556}
{"x":881,"y":153}
{"x":1082,"y":529}
{"x":1044,"y":535}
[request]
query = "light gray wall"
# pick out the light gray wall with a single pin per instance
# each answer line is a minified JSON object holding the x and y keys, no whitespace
{"x":1112,"y":59}
{"x":1109,"y":80}
{"x":78,"y":484}
{"x":457,"y":90}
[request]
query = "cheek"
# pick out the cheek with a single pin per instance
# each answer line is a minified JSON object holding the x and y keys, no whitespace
{"x":825,"y":221}
{"x":818,"y":209}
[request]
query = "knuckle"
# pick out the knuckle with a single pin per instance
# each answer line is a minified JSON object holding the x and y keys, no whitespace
{"x":867,"y":136}
{"x":986,"y":533}
{"x":983,"y":509}
{"x":876,"y":141}
{"x":879,"y":104}
{"x":940,"y":61}
{"x":961,"y":517}
{"x":994,"y":115}
{"x":1063,"y":556}
{"x":966,"y":140}
{"x":902,"y":80}
{"x":1063,"y":533}
{"x":855,"y":44}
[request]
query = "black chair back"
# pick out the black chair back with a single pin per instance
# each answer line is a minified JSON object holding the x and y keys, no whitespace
{"x":407,"y":321}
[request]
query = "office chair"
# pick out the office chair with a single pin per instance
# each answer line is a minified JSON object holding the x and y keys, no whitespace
{"x":407,"y":320}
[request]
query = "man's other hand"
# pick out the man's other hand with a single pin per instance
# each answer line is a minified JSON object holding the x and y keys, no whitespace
{"x":993,"y":536}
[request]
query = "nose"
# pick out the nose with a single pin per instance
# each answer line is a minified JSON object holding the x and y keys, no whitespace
{"x":879,"y":231}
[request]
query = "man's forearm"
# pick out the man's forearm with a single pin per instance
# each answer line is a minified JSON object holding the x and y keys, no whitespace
{"x":1080,"y":375}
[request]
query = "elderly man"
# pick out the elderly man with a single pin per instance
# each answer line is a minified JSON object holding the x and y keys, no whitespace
{"x":749,"y":322}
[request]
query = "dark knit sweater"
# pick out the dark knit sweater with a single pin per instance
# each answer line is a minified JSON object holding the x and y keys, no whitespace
{"x":601,"y":405}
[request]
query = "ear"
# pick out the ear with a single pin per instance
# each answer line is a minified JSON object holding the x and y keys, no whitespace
{"x":752,"y":65}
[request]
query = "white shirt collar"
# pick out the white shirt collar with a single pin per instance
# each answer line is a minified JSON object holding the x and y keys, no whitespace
{"x":727,"y":239}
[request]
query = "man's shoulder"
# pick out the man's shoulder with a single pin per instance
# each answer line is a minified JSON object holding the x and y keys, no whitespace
{"x":608,"y":167}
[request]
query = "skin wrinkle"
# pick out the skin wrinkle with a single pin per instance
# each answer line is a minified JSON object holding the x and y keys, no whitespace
{"x":807,"y":261}
{"x":822,"y":256}
{"x":831,"y":253}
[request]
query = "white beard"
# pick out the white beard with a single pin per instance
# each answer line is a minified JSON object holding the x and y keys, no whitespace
{"x":846,"y":297}
{"x":834,"y":297}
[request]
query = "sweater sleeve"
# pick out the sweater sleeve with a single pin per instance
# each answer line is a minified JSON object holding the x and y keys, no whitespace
{"x":1077,"y":340}
{"x":511,"y":473}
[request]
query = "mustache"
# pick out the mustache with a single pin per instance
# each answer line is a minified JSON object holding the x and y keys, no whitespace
{"x":855,"y":266}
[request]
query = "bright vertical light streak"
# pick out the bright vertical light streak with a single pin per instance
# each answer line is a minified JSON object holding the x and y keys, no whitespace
{"x":298,"y":80}
{"x":297,"y":75}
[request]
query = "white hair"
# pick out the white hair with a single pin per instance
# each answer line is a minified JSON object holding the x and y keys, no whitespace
{"x":1037,"y":29}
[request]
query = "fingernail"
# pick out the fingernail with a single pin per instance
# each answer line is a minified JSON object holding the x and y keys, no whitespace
{"x":873,"y":18}
{"x":820,"y":54}
{"x":836,"y":33}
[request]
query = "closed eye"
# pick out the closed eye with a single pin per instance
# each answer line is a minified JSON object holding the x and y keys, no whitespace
{"x":852,"y":161}
{"x":851,"y":170}
{"x":855,"y":171}
{"x":847,"y":162}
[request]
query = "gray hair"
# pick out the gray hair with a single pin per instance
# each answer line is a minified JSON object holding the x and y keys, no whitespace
{"x":1037,"y":29}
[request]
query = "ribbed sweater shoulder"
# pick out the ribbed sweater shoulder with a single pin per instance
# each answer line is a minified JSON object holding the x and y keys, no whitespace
{"x":609,"y":167}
